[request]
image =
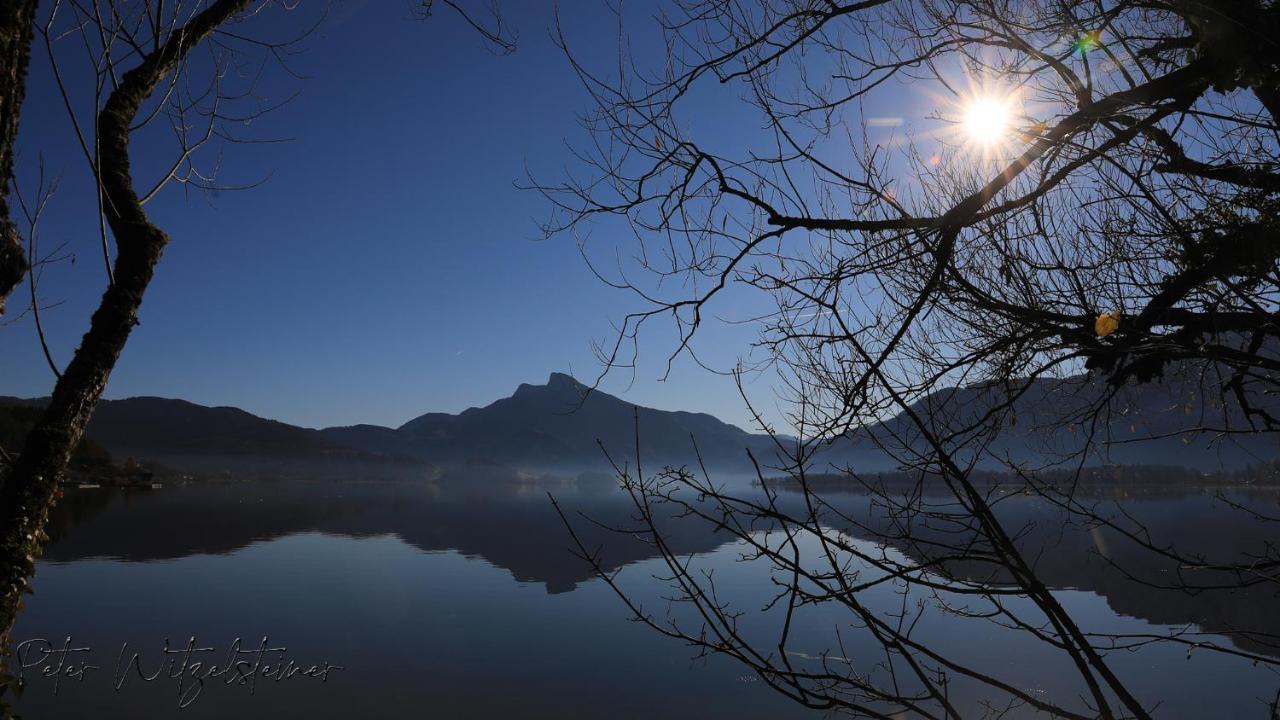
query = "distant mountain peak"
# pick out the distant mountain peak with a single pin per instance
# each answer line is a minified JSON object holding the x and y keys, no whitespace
{"x":559,"y":379}
{"x":559,"y":386}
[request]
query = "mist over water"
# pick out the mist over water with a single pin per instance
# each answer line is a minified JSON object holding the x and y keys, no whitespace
{"x":464,"y":600}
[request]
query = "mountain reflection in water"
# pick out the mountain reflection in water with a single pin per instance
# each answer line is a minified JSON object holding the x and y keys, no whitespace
{"x":476,"y":636}
{"x":511,"y":526}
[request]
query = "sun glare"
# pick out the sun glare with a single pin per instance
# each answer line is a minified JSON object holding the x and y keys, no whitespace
{"x":986,"y":120}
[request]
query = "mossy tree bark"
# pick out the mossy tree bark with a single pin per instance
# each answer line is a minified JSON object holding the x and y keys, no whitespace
{"x":16,"y":17}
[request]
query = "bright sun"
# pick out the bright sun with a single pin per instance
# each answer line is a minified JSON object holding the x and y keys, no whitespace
{"x":986,"y":120}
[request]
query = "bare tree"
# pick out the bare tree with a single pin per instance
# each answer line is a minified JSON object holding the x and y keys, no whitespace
{"x":153,"y":63}
{"x":160,"y":43}
{"x":1091,"y":206}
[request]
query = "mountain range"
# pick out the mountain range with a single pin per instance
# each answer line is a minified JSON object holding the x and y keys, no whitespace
{"x":556,"y":424}
{"x":563,"y":425}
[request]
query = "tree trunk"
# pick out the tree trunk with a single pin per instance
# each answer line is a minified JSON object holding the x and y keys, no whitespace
{"x":16,"y":17}
{"x":29,"y":492}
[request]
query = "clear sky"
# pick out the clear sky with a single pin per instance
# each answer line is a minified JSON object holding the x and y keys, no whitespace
{"x":388,"y":266}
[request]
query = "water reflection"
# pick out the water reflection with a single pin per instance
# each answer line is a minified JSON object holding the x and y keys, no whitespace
{"x":410,"y":587}
{"x":1228,"y":526}
{"x":510,"y":525}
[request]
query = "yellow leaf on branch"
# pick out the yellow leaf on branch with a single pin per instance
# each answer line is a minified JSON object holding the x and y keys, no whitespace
{"x":1106,"y":323}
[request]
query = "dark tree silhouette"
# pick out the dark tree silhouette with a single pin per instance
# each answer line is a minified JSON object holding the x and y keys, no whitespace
{"x":29,"y":487}
{"x":146,"y":69}
{"x":15,"y":54}
{"x":1092,"y":207}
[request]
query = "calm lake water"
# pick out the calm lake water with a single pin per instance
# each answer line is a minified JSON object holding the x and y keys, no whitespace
{"x":460,"y":601}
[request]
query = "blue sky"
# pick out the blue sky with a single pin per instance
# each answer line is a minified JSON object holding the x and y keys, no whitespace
{"x":389,"y":266}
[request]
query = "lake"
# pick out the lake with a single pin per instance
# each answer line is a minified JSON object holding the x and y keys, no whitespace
{"x":458,"y":601}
